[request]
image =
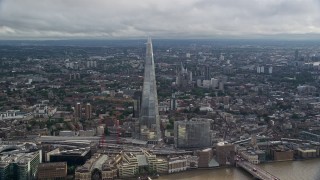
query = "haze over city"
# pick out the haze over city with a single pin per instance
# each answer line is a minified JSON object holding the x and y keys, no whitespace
{"x":106,"y":19}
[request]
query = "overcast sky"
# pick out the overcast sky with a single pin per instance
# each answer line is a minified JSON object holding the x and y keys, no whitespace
{"x":65,"y":19}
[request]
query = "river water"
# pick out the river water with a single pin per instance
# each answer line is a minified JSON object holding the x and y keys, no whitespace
{"x":289,"y":170}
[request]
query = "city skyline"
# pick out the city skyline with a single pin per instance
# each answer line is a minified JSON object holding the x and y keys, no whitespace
{"x":204,"y":104}
{"x":99,"y":19}
{"x":225,"y":89}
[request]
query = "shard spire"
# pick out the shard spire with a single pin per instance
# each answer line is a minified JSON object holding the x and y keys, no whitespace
{"x":149,"y":116}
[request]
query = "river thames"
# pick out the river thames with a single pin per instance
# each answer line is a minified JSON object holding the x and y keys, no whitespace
{"x":289,"y":170}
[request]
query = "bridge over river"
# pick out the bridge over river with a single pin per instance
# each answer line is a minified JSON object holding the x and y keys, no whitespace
{"x":256,"y":171}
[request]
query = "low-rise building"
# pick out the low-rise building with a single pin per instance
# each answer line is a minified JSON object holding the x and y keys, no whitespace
{"x":97,"y":166}
{"x":67,"y":133}
{"x":73,"y":156}
{"x":205,"y":156}
{"x":281,"y":153}
{"x":177,"y":164}
{"x":52,"y":171}
{"x":192,"y":161}
{"x":129,"y":165}
{"x":250,"y":156}
{"x":307,"y":153}
{"x":156,"y":164}
{"x":225,"y":153}
{"x":12,"y":114}
{"x":87,"y":132}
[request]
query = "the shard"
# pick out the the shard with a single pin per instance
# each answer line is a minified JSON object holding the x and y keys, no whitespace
{"x":149,"y":116}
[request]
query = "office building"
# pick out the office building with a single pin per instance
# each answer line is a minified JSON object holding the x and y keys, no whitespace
{"x":173,"y":102}
{"x":307,"y":152}
{"x":91,"y":64}
{"x":156,"y":164}
{"x":270,"y":70}
{"x":11,"y":114}
{"x":207,"y":73}
{"x":136,"y":104}
{"x":192,"y":134}
{"x":88,"y":112}
{"x":78,"y":111}
{"x":99,"y":166}
{"x":262,"y":69}
{"x":225,"y":153}
{"x":221,"y":58}
{"x":129,"y":165}
{"x":281,"y":153}
{"x":205,"y":156}
{"x":250,"y":156}
{"x":52,"y":171}
{"x":4,"y":170}
{"x":177,"y":164}
{"x":214,"y":83}
{"x":72,"y":156}
{"x":149,"y":116}
{"x":20,"y":166}
{"x":221,"y":86}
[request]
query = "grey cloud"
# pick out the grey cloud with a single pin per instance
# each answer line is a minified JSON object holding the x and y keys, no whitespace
{"x":165,"y":18}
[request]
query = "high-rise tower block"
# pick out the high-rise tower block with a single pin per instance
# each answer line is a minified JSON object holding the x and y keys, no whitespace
{"x":149,"y":115}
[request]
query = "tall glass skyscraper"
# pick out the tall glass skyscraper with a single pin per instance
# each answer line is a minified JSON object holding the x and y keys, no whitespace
{"x":149,"y":115}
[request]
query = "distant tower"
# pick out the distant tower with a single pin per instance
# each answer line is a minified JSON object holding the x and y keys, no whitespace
{"x":190,"y":77}
{"x":88,"y":109}
{"x":258,"y":70}
{"x":78,"y":111}
{"x":262,"y":69}
{"x":270,"y":70}
{"x":221,"y":86}
{"x":173,"y":102}
{"x":149,"y":116}
{"x":214,"y":83}
{"x":136,"y":104}
{"x":184,"y":77}
{"x":221,"y":58}
{"x":207,"y":73}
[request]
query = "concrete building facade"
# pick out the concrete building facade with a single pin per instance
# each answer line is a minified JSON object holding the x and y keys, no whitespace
{"x":52,"y":171}
{"x":192,"y":134}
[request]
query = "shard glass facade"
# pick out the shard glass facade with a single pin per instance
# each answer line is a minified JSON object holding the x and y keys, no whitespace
{"x":149,"y":116}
